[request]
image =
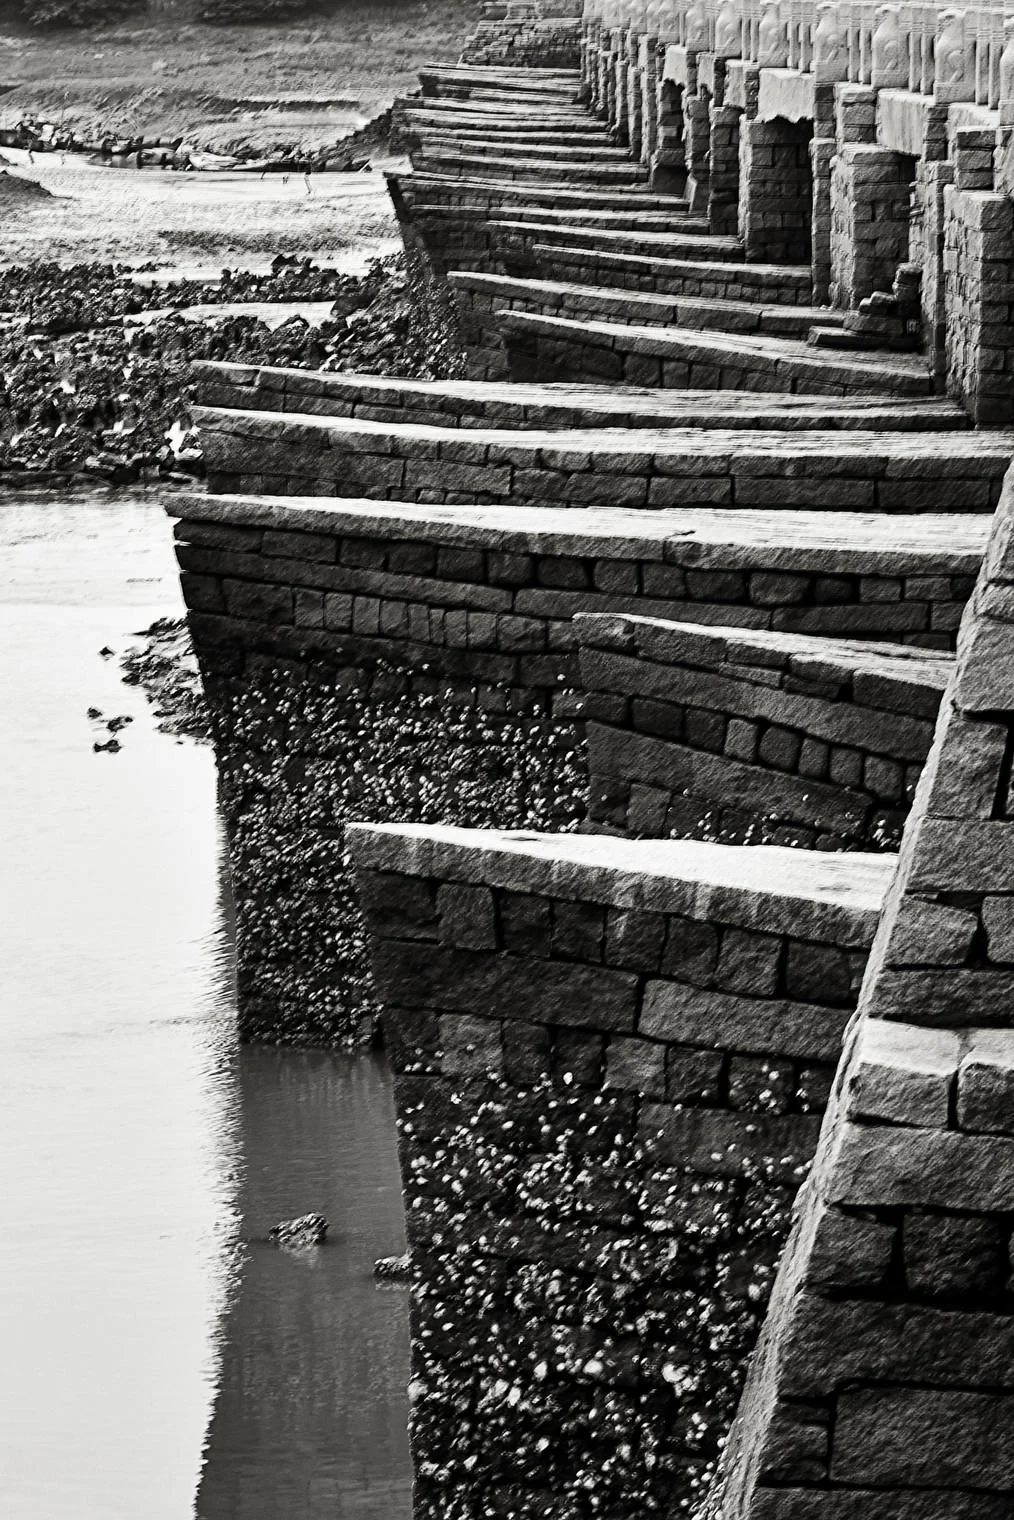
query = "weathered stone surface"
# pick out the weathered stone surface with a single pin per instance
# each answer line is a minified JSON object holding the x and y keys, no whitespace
{"x":675,"y":1011}
{"x":902,"y":1075}
{"x":797,"y":1444}
{"x":850,"y":1251}
{"x":470,"y":1046}
{"x":998,"y":922}
{"x":868,"y":1340}
{"x":855,"y":1503}
{"x":462,"y":982}
{"x":921,"y":1167}
{"x":693,"y":1075}
{"x":931,"y":934}
{"x":402,"y":906}
{"x":748,"y":963}
{"x":950,"y":1256}
{"x":913,"y":1437}
{"x":466,"y":917}
{"x":986,"y":1083}
{"x":975,"y":857}
{"x":955,"y":998}
{"x":636,"y":1066}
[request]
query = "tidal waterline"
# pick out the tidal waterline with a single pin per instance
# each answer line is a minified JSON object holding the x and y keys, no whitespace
{"x":151,"y":1346}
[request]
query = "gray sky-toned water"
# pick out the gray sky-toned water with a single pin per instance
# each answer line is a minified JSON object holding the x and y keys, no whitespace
{"x":145,"y":1333}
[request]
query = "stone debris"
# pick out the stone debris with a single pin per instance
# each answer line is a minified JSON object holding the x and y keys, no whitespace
{"x":393,"y":1268}
{"x":164,"y":666}
{"x":307,"y":1231}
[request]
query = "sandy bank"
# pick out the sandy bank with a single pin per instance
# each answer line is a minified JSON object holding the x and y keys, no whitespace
{"x":137,"y":216}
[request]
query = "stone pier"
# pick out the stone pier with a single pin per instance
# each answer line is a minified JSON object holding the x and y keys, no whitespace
{"x":650,"y":678}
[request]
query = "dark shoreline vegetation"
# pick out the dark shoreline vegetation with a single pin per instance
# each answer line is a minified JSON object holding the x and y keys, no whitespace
{"x":303,"y":754}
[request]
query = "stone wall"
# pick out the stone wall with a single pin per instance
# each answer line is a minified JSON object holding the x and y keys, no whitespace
{"x":723,"y":169}
{"x":870,"y":194}
{"x":676,"y":358}
{"x":461,"y":221}
{"x":249,"y":451}
{"x":607,"y":1081}
{"x":979,"y":297}
{"x":489,"y":598}
{"x":885,"y":1369}
{"x":414,"y":462}
{"x":753,"y":738}
{"x":669,"y":274}
{"x":483,"y":299}
{"x":465,"y":404}
{"x":322,"y":640}
{"x":449,"y":641}
{"x":526,"y":34}
{"x":878,"y":154}
{"x":776,"y":190}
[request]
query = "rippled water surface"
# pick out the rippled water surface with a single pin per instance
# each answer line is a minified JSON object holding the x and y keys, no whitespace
{"x":151,"y":1347}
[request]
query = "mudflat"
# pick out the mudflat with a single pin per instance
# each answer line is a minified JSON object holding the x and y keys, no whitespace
{"x":195,"y":222}
{"x":165,"y":73}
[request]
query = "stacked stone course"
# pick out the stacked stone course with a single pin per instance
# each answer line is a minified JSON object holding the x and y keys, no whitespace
{"x":870,"y":196}
{"x":674,"y":467}
{"x":778,"y":213}
{"x":752,"y":737}
{"x":897,"y":1277}
{"x":715,"y":540}
{"x":979,"y":267}
{"x":526,"y":33}
{"x":493,"y":608}
{"x":706,"y":1021}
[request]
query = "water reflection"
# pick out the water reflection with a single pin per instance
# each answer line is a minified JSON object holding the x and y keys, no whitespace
{"x":116,"y":1039}
{"x":140,"y":1146}
{"x":311,"y":1416}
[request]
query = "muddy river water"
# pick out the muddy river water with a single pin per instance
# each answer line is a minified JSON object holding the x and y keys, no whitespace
{"x":158,"y":1359}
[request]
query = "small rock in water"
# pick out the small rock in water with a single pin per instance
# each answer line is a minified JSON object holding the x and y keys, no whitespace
{"x":307,"y":1230}
{"x":393,"y":1268}
{"x":111,"y":747}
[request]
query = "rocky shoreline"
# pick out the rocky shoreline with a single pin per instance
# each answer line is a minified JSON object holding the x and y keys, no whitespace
{"x":163,"y":664}
{"x":95,"y":365}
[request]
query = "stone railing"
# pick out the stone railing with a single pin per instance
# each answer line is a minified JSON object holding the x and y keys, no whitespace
{"x":949,"y":54}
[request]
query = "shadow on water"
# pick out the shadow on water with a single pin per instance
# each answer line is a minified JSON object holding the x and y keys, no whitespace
{"x":311,"y":1415}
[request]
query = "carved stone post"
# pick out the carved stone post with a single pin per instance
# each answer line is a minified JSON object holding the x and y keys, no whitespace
{"x":954,"y":64}
{"x":890,"y":56}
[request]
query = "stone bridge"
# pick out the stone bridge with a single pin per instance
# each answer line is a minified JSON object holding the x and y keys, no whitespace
{"x":664,"y":652}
